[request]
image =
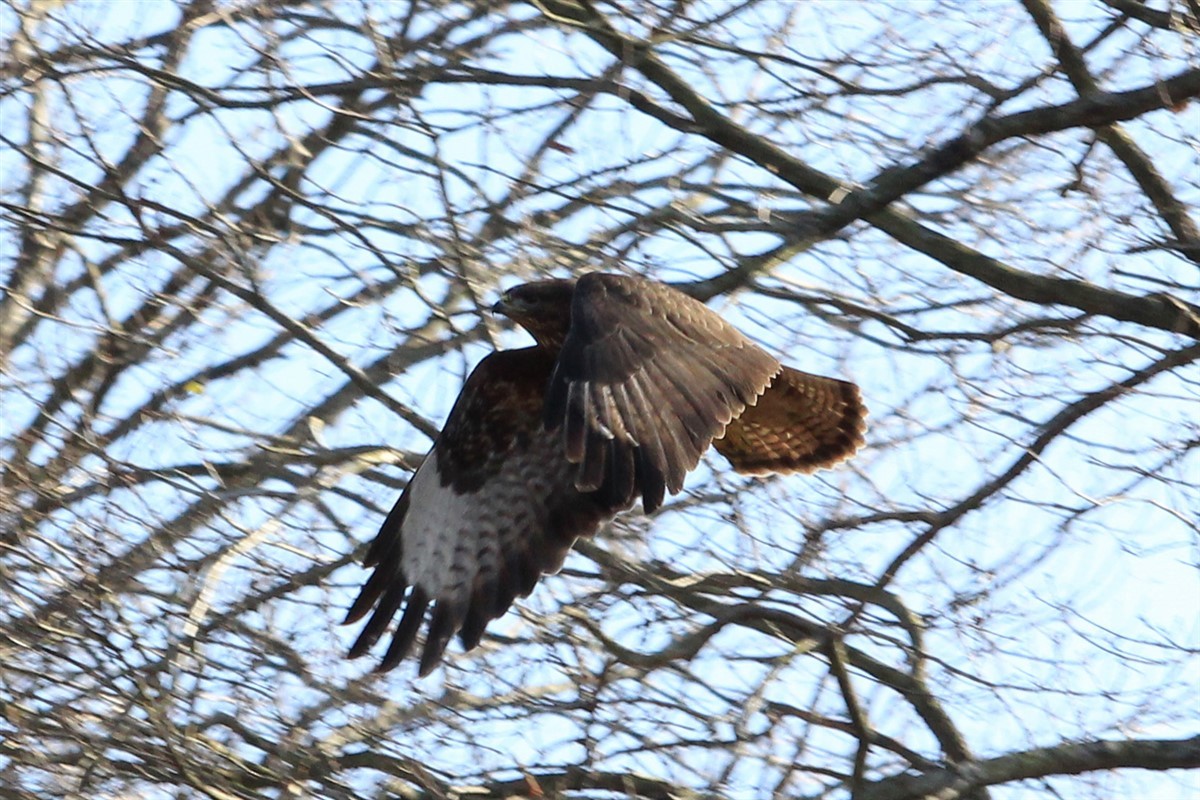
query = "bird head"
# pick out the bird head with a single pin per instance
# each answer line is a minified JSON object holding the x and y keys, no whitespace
{"x":541,"y":307}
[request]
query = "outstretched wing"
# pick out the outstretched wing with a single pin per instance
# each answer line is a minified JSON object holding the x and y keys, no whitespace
{"x":646,"y":379}
{"x":802,"y":423}
{"x":492,"y":508}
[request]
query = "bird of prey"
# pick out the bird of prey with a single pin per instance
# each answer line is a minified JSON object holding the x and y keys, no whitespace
{"x":627,"y":385}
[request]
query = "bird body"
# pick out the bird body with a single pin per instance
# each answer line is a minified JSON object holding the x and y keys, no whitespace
{"x":628,"y":384}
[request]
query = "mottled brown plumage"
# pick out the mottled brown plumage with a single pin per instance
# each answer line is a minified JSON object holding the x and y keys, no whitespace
{"x":628,"y":385}
{"x":802,"y":423}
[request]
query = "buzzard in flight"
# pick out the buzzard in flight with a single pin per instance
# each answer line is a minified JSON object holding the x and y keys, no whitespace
{"x":628,"y":384}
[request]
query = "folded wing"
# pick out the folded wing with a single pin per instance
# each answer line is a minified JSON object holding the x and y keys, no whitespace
{"x":646,"y":379}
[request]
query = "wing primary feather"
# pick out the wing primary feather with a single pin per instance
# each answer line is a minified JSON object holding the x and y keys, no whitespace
{"x":379,"y":621}
{"x":659,"y":447}
{"x":477,"y":618}
{"x":613,"y":418}
{"x":447,"y":615}
{"x":685,"y":429}
{"x":690,"y":399}
{"x":575,"y":427}
{"x":618,"y":488}
{"x":375,"y":586}
{"x":406,"y":632}
{"x":651,"y":482}
{"x":635,"y":413}
{"x":506,"y":586}
{"x":642,"y":416}
{"x":590,"y":474}
{"x":524,"y":570}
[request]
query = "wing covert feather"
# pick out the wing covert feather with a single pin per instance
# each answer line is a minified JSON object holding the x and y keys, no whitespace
{"x":654,"y":374}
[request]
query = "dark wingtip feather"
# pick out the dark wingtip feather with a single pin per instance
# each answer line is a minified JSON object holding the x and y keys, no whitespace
{"x":372,"y":590}
{"x":473,"y":626}
{"x":446,"y":618}
{"x":361,"y":606}
{"x":620,"y":484}
{"x":484,"y":606}
{"x":651,"y":482}
{"x":574,"y":435}
{"x":594,"y":466}
{"x":388,"y":604}
{"x":406,"y":632}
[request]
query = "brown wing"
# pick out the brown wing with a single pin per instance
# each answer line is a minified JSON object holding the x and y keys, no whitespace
{"x":802,"y":423}
{"x":492,"y":508}
{"x":646,"y":379}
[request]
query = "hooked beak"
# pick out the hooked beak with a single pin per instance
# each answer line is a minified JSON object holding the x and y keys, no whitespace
{"x":502,"y":305}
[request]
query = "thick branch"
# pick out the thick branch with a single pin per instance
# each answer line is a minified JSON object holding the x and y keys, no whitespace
{"x":1043,"y":762}
{"x":1159,"y":310}
{"x":870,"y":202}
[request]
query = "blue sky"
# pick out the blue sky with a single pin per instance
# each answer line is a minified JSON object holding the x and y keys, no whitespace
{"x":1082,"y":571}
